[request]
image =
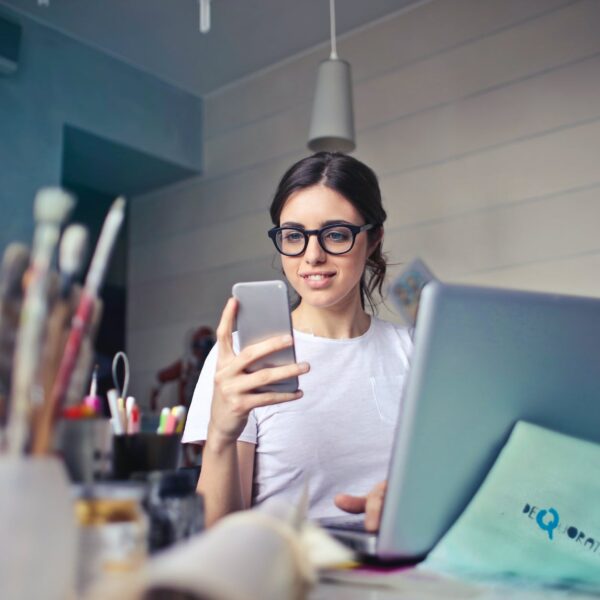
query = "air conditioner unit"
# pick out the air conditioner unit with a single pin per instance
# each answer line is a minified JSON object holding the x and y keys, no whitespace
{"x":10,"y":40}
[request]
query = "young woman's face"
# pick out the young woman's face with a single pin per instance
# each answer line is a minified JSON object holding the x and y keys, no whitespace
{"x":321,"y":279}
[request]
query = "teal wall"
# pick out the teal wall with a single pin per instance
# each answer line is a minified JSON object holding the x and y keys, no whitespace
{"x":63,"y":82}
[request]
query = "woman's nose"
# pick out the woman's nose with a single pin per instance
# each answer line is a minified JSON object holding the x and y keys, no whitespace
{"x":314,"y":254}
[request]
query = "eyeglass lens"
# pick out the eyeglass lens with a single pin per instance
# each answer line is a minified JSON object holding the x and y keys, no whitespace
{"x":337,"y":240}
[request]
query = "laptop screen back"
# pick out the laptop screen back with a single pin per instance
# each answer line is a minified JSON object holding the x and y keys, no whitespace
{"x":483,"y":359}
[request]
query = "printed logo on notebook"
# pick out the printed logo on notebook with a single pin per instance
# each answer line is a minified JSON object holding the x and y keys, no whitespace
{"x":548,"y":526}
{"x":548,"y":520}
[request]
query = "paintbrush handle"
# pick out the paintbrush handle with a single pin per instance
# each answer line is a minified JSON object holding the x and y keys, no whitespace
{"x":43,"y":439}
{"x":104,"y":247}
{"x":56,"y":338}
{"x":29,"y":336}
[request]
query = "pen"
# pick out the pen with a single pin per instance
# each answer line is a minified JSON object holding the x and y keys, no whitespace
{"x":133,"y":415}
{"x":92,"y":399}
{"x":113,"y":405}
{"x":162,"y":424}
{"x":171,"y":423}
{"x":133,"y":425}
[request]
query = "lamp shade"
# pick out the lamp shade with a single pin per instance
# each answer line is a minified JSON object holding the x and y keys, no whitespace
{"x":332,"y":122}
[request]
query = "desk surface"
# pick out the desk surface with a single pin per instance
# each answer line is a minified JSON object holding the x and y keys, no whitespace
{"x":345,"y":591}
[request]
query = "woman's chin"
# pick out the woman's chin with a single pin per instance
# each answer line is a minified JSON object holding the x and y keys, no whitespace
{"x":325,"y":298}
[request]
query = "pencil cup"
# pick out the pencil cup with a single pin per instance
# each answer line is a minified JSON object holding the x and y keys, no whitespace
{"x":86,"y":446}
{"x":144,"y":452}
{"x":37,"y":530}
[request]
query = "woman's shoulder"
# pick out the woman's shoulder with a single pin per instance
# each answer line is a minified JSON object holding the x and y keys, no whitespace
{"x":393,"y":332}
{"x":380,"y":324}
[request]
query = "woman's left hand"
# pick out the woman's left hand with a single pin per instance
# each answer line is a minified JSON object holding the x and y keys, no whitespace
{"x":371,"y":505}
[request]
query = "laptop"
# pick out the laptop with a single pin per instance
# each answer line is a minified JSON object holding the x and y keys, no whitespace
{"x":483,"y":359}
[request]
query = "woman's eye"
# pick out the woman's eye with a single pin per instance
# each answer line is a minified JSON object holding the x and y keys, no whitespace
{"x":338,"y":235}
{"x":292,"y":237}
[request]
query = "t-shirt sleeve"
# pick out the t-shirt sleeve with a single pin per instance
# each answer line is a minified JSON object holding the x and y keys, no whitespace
{"x":196,"y":426}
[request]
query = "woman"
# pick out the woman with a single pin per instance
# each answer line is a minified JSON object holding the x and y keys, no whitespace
{"x":336,"y":433}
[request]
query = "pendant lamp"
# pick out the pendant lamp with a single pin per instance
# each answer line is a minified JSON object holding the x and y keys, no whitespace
{"x":332,"y":122}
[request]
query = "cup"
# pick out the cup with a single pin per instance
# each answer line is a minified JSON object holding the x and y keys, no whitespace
{"x":144,"y":452}
{"x":37,"y":529}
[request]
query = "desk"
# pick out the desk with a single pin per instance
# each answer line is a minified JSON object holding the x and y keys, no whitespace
{"x":345,"y":591}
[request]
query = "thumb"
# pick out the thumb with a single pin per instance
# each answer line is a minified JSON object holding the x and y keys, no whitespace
{"x":351,"y":504}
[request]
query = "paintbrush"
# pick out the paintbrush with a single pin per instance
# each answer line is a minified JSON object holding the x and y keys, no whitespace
{"x":71,"y":259}
{"x":82,"y":318}
{"x":52,"y":207}
{"x":14,"y":264}
{"x":71,"y":256}
{"x":85,"y":359}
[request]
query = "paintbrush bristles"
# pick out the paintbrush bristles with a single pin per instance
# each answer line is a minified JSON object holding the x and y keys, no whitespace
{"x":73,"y":250}
{"x":52,"y":206}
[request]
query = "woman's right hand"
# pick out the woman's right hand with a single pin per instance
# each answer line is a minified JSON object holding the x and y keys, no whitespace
{"x":234,"y":396}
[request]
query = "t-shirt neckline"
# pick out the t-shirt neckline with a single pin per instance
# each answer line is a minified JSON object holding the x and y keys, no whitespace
{"x":309,"y":336}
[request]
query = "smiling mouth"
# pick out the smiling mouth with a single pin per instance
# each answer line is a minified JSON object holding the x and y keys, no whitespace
{"x":317,"y":276}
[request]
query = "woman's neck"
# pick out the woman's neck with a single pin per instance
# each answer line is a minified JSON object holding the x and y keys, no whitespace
{"x":335,"y":322}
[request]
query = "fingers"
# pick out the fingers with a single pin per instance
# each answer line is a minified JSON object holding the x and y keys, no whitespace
{"x":374,"y":507}
{"x":252,"y":353}
{"x":259,"y":379}
{"x":225,"y":329}
{"x":268,"y":398}
{"x":241,"y":362}
{"x":351,"y":504}
{"x":371,"y":505}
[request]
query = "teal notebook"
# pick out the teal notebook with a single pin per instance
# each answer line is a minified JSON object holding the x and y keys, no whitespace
{"x":536,"y":516}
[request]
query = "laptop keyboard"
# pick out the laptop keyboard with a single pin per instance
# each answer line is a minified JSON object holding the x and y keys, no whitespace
{"x":346,"y":523}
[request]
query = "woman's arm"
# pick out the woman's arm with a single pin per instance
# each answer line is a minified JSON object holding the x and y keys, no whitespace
{"x":228,"y":465}
{"x":226,"y":478}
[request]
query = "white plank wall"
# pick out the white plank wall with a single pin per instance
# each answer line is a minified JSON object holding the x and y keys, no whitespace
{"x":482,"y":119}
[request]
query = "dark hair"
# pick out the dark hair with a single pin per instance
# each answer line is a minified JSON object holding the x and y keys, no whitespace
{"x":358,"y":184}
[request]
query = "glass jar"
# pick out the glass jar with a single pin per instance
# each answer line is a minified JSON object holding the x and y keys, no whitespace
{"x":112,"y":531}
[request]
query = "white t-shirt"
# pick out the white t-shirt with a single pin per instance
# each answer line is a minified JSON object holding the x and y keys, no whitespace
{"x":338,"y":436}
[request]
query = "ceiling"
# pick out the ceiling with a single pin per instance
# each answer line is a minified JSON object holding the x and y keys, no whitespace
{"x":162,"y":37}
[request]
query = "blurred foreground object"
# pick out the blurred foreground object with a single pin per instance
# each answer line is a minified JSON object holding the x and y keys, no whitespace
{"x":37,"y":530}
{"x":112,"y":531}
{"x":267,"y":553}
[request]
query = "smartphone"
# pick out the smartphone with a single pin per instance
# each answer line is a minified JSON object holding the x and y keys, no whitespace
{"x":264,"y":312}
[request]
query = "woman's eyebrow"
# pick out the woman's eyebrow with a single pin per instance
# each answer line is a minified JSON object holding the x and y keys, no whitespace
{"x":323,"y":223}
{"x":336,"y":222}
{"x":292,"y":224}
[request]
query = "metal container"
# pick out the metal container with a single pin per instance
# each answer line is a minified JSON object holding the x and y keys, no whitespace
{"x":87,"y":447}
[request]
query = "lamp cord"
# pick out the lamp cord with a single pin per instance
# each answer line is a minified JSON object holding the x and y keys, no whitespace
{"x":333,"y":54}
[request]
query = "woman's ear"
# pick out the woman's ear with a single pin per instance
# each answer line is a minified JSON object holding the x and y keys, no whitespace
{"x":377,"y":239}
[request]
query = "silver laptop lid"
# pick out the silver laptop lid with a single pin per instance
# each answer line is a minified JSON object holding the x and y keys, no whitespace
{"x":483,"y":359}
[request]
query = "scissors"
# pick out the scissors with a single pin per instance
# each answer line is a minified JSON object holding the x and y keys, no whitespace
{"x":122,"y":391}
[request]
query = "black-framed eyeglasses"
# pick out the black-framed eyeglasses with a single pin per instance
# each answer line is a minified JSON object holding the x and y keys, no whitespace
{"x":334,"y":239}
